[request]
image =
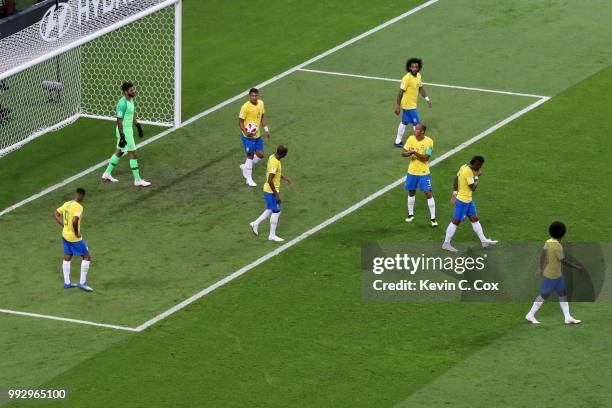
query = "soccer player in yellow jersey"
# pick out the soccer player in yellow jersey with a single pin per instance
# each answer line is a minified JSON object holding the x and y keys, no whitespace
{"x":252,"y":115}
{"x":551,"y":259}
{"x":272,"y":194}
{"x":419,"y":148}
{"x":411,"y":86}
{"x":69,"y":216}
{"x":465,"y":184}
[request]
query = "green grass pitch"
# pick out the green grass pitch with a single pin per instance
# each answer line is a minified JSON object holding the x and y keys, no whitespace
{"x":294,"y":330}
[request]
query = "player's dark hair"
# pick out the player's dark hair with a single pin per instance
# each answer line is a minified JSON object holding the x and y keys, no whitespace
{"x":422,"y":124}
{"x":414,"y":61}
{"x":478,"y":159}
{"x":126,"y":85}
{"x":80,"y":191}
{"x":282,"y":150}
{"x":253,"y":90}
{"x":557,"y":230}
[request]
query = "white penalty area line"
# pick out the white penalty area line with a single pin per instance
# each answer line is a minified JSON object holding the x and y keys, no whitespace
{"x":66,"y":319}
{"x":333,"y":219}
{"x":465,"y":88}
{"x":222,"y":105}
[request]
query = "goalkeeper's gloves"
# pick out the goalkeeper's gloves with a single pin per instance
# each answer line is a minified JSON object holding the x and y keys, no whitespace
{"x":122,"y":141}
{"x":140,"y":131}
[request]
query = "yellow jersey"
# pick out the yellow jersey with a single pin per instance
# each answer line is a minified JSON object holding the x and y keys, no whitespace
{"x":554,"y":255}
{"x":274,"y":167}
{"x":410,"y":85}
{"x":465,"y":178}
{"x":425,"y":146}
{"x":252,"y":114}
{"x":68,"y":211}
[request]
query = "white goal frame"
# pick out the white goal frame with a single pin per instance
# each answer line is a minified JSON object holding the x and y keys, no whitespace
{"x":177,"y":119}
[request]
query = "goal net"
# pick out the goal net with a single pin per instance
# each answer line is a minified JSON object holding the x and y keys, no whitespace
{"x":72,"y":60}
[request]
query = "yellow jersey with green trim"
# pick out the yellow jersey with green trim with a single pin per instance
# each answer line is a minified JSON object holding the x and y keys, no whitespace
{"x":68,"y":211}
{"x":554,"y":255}
{"x":416,"y":167}
{"x":252,"y":114}
{"x":410,"y":85}
{"x":274,"y":167}
{"x":465,"y":178}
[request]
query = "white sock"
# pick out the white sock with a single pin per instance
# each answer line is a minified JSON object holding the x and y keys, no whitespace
{"x":432,"y":207}
{"x":411,"y":205}
{"x":565,"y":308}
{"x":256,"y":159}
{"x":264,"y":216}
{"x":248,"y":169}
{"x":273,"y":223}
{"x":450,"y":231}
{"x":537,"y":304}
{"x":84,"y":270}
{"x":66,"y":269}
{"x":478,"y":230}
{"x":400,"y":133}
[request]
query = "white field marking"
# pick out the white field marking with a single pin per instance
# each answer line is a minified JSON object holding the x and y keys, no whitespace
{"x":65,"y":319}
{"x":112,"y":119}
{"x":222,"y":105}
{"x":466,"y":88}
{"x":333,"y":219}
{"x":291,"y":243}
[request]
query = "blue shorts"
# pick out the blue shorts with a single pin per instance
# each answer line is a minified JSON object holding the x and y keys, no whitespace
{"x":410,"y":116}
{"x":75,"y":248}
{"x":424,"y":182}
{"x":462,"y":209}
{"x":252,"y":145}
{"x":552,"y":285}
{"x":271,"y":203}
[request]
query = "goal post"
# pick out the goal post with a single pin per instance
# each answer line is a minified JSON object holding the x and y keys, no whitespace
{"x":70,"y":63}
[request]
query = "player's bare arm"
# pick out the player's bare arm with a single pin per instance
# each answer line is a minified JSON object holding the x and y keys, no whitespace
{"x":424,"y":95}
{"x":271,"y":184}
{"x":58,"y":218}
{"x":264,"y":123}
{"x":407,"y":152}
{"x":398,"y":101}
{"x":421,"y":157}
{"x":571,"y":264}
{"x":242,"y":126}
{"x":75,"y":227}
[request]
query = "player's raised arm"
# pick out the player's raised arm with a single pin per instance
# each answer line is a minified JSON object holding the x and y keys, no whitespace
{"x":421,"y":157}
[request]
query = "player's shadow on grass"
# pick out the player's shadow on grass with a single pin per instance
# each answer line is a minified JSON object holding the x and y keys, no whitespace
{"x":154,"y":190}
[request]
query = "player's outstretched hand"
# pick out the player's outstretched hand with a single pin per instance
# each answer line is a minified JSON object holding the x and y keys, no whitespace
{"x":397,"y":110}
{"x":538,"y":273}
{"x":122,"y":141}
{"x":268,"y":135}
{"x":429,"y":103}
{"x":140,"y":131}
{"x":287,"y":180}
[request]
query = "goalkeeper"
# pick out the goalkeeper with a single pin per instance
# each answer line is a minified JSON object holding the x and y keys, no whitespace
{"x":126,"y":120}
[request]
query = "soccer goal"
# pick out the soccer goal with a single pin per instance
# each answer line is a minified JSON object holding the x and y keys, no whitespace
{"x":66,"y":59}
